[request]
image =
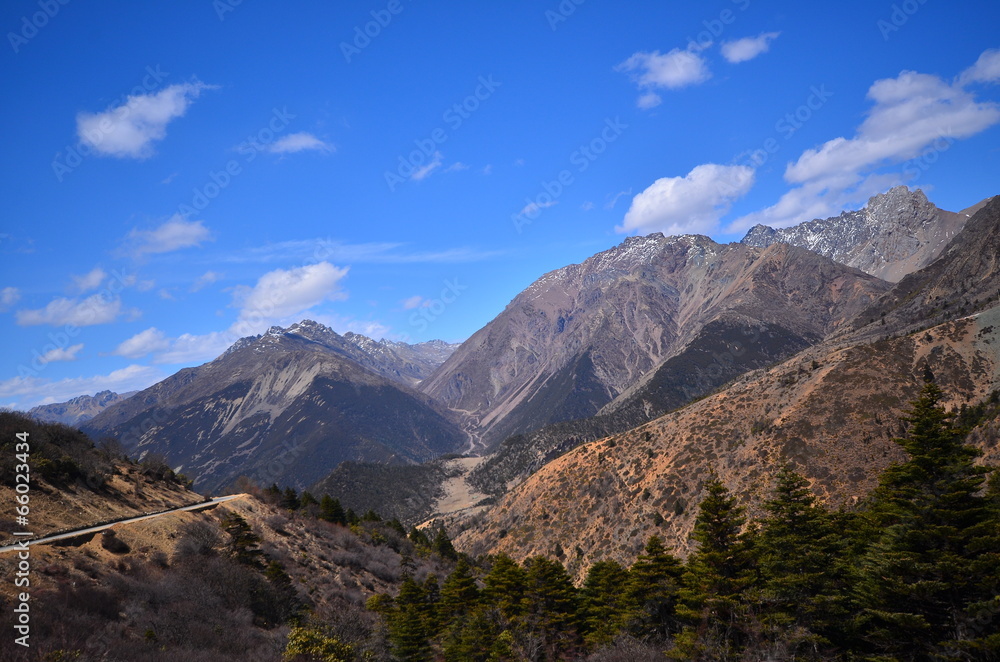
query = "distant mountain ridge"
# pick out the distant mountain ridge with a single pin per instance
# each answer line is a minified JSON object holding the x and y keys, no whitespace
{"x":287,"y":406}
{"x":583,"y":335}
{"x":79,"y":409}
{"x":896,"y":233}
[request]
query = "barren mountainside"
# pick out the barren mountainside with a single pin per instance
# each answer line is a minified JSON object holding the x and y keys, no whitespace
{"x":583,"y":335}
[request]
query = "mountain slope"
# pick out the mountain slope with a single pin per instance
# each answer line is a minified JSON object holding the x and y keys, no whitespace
{"x":581,"y":336}
{"x":896,"y":233}
{"x":283,"y":407}
{"x":830,"y":412}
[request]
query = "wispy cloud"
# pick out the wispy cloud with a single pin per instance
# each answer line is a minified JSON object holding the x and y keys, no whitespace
{"x":61,"y":354}
{"x":174,"y":234}
{"x":96,"y":309}
{"x":366,"y":253}
{"x":653,"y":71}
{"x":300,"y":142}
{"x":204,"y":280}
{"x":129,"y":130}
{"x":89,"y":281}
{"x":425,"y":171}
{"x":8,"y":297}
{"x":742,"y":50}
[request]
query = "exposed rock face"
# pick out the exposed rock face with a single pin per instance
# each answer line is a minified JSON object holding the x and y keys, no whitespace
{"x":897,"y":233}
{"x":581,"y":336}
{"x":79,"y":409}
{"x":830,"y":412}
{"x":287,"y":406}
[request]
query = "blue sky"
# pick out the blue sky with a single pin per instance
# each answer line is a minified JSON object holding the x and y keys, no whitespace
{"x":178,"y":174}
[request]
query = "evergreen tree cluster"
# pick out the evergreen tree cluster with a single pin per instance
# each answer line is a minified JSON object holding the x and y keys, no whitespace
{"x":911,"y":575}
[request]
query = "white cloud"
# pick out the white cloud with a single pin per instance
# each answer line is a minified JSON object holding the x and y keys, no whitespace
{"x":457,"y":166}
{"x":61,"y":354}
{"x":299,"y":142}
{"x":748,"y":48}
{"x":206,"y":279}
{"x":488,"y":169}
{"x":912,"y":115}
{"x":649,"y":100}
{"x":8,"y":297}
{"x":425,"y":171}
{"x":96,"y":309}
{"x":26,"y":392}
{"x":89,"y":281}
{"x":143,"y":343}
{"x":985,"y":70}
{"x":690,"y":204}
{"x":588,"y":206}
{"x":191,"y":348}
{"x":282,"y":293}
{"x":413,"y":302}
{"x":176,"y":233}
{"x":674,"y":70}
{"x":129,"y":130}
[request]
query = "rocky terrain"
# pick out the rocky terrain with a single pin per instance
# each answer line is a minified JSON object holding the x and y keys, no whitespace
{"x":896,"y":233}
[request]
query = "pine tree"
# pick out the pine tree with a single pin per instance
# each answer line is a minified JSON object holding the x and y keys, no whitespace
{"x":716,"y":581}
{"x":244,"y":544}
{"x":408,"y":628}
{"x":924,"y":582}
{"x":290,"y":499}
{"x":505,"y":585}
{"x":331,"y":510}
{"x":798,"y":554}
{"x":651,"y":590}
{"x":552,"y":606}
{"x":443,"y":547}
{"x":306,"y":500}
{"x":459,"y":594}
{"x":603,"y":603}
{"x":419,"y":538}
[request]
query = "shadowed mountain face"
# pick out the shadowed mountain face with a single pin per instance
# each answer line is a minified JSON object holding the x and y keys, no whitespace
{"x":584,"y":335}
{"x":285,"y":407}
{"x":897,"y":233}
{"x":831,"y":412}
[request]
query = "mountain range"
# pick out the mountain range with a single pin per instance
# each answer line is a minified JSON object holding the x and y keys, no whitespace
{"x":606,"y":392}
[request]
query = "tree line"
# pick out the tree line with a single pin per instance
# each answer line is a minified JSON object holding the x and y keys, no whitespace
{"x":912,"y":574}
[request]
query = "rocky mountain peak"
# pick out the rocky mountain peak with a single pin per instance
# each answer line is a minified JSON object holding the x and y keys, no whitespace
{"x":896,"y":233}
